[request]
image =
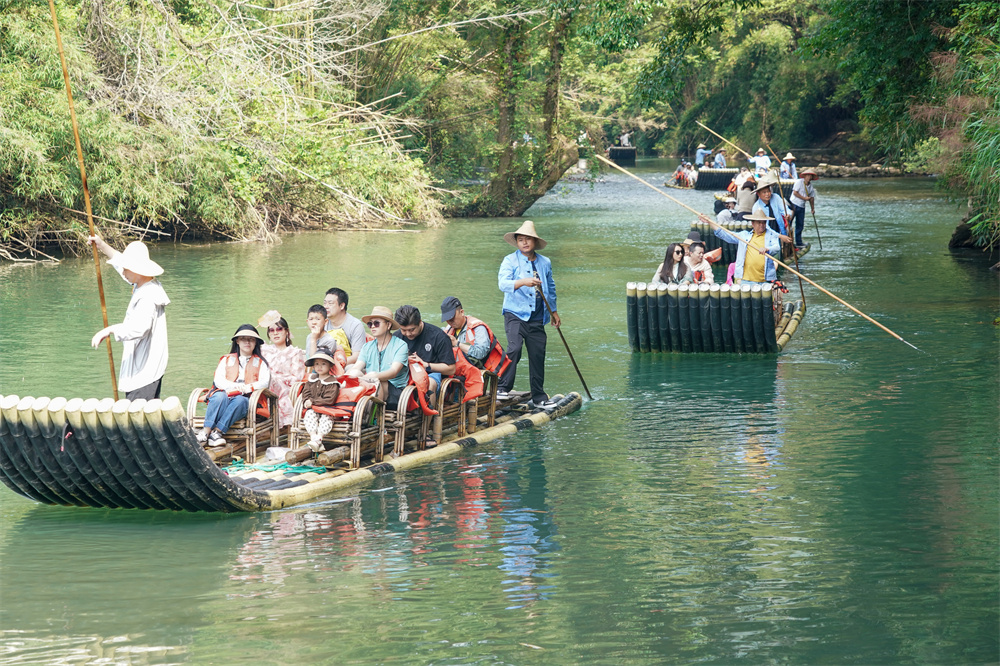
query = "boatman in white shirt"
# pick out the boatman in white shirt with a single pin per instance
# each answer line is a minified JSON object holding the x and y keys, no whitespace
{"x":803,"y":192}
{"x":144,"y":331}
{"x":761,"y":162}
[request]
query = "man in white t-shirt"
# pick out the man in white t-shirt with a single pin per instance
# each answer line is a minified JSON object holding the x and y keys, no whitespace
{"x":803,"y":192}
{"x":761,"y":162}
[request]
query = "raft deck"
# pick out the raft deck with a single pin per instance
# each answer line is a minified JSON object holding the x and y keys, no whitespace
{"x":143,"y":455}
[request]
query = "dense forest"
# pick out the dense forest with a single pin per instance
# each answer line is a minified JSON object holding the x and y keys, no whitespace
{"x":242,"y":118}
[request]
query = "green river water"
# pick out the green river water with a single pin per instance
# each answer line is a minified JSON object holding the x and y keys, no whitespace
{"x":837,"y":503}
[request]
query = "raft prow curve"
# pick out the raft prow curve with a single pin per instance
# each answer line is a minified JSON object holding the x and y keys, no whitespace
{"x":143,"y":455}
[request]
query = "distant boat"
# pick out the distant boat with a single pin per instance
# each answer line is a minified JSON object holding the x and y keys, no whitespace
{"x":622,"y":155}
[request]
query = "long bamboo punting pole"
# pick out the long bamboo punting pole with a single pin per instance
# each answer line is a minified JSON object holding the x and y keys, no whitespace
{"x":781,"y":191}
{"x":726,"y":140}
{"x":783,"y":265}
{"x":566,"y":345}
{"x":86,"y":193}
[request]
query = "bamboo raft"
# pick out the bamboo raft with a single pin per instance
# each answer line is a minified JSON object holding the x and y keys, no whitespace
{"x":143,"y":455}
{"x":708,"y":318}
{"x":710,"y":178}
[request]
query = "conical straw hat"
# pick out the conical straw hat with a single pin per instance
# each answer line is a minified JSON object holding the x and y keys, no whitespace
{"x":527,"y":229}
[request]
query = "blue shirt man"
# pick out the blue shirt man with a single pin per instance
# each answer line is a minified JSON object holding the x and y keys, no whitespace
{"x":771,"y":243}
{"x":720,"y":159}
{"x":525,"y":278}
{"x":701,"y":154}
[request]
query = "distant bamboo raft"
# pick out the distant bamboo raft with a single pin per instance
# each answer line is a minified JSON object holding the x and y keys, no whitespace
{"x":708,"y":318}
{"x":714,"y":179}
{"x":143,"y":455}
{"x":729,"y":250}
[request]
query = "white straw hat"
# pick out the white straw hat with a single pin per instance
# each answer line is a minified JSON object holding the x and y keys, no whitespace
{"x":135,"y":258}
{"x":789,"y":156}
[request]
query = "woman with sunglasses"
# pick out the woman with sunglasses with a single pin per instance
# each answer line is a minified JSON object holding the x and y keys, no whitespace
{"x":383,"y":360}
{"x":287,"y":363}
{"x":673,"y":270}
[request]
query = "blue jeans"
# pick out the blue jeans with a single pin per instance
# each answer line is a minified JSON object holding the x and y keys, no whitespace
{"x":800,"y":222}
{"x":223,"y":411}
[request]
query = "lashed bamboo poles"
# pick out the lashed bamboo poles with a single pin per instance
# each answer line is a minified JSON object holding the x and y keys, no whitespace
{"x":86,"y":192}
{"x":783,"y":265}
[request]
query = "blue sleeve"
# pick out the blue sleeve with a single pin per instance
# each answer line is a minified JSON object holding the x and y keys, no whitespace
{"x":551,"y":283}
{"x":507,"y":275}
{"x":727,"y":236}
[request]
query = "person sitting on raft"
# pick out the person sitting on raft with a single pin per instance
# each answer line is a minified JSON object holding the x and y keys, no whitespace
{"x":472,"y":337}
{"x":383,"y":361}
{"x":701,"y":270}
{"x":316,"y":321}
{"x":427,"y":345}
{"x":673,"y":270}
{"x":770,"y":206}
{"x":754,"y":267}
{"x":745,"y":198}
{"x":239,"y":373}
{"x":725,"y":215}
{"x":321,"y":390}
{"x":342,"y":325}
{"x":286,"y":362}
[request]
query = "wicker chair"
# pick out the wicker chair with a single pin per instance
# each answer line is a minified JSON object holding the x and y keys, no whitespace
{"x":358,"y":432}
{"x":484,"y":404}
{"x":246,"y":434}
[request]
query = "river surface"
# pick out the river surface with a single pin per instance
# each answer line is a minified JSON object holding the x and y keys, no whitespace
{"x":837,"y":503}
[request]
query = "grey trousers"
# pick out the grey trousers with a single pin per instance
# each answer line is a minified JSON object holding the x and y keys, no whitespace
{"x":147,"y":392}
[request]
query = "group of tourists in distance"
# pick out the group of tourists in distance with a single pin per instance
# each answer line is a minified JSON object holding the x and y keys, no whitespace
{"x":752,"y":198}
{"x":401,"y":347}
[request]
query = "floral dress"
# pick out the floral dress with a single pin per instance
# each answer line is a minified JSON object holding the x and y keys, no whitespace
{"x":287,"y":365}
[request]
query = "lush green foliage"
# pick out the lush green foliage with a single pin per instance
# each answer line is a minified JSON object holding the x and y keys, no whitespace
{"x":182,"y":132}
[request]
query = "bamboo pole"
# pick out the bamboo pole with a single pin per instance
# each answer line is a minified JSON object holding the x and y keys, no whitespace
{"x":781,"y":191}
{"x":565,"y":344}
{"x":783,"y":265}
{"x":86,"y":193}
{"x":726,"y":140}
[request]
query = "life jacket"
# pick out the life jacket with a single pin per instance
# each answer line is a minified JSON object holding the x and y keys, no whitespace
{"x":351,"y":391}
{"x":419,"y":378}
{"x":496,"y":361}
{"x":250,"y":375}
{"x":471,"y":376}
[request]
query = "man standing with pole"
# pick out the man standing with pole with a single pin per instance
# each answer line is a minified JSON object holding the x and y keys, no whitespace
{"x":144,"y":331}
{"x":524,"y":310}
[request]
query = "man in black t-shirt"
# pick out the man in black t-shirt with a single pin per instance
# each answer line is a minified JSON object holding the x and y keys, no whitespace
{"x":427,"y":345}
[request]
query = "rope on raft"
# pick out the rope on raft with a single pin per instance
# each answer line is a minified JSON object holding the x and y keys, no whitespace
{"x":238,"y":465}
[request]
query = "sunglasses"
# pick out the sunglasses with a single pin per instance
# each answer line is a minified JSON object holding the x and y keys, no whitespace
{"x":275,"y":330}
{"x":375,"y":323}
{"x":678,"y":251}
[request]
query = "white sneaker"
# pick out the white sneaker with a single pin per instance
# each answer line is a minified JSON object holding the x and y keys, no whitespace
{"x":201,"y":437}
{"x":547,"y":405}
{"x":502,"y":395}
{"x":216,"y":438}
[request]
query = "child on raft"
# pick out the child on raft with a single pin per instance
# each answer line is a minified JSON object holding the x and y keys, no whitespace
{"x":321,"y":390}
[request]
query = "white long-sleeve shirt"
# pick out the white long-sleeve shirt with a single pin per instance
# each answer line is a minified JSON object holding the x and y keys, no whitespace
{"x":144,"y":336}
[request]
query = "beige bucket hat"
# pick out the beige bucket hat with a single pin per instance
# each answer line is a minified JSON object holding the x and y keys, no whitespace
{"x":789,"y":156}
{"x":320,"y":355}
{"x":247,"y":331}
{"x":527,"y":229}
{"x":135,"y":258}
{"x":382,"y":312}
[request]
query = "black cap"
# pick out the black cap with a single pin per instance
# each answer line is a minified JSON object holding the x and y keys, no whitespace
{"x":448,"y":307}
{"x":694,"y":236}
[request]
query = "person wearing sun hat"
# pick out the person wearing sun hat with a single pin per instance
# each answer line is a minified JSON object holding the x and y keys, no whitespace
{"x":761,"y":162}
{"x":525,"y":277}
{"x":802,"y":191}
{"x":787,"y":167}
{"x":239,"y":373}
{"x":700,"y":154}
{"x":754,"y":266}
{"x":384,"y":359}
{"x":143,"y":333}
{"x":720,"y":159}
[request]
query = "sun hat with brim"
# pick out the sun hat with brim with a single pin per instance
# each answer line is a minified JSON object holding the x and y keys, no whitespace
{"x":527,"y":229}
{"x":760,"y":150}
{"x":729,"y":200}
{"x":758,"y":217}
{"x":320,"y":356}
{"x":808,"y":172}
{"x":701,"y":145}
{"x":789,"y":156}
{"x":247,"y":331}
{"x":381,"y":312}
{"x":135,"y":258}
{"x":763,"y":184}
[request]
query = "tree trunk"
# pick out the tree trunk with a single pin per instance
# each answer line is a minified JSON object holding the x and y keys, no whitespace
{"x":516,"y":184}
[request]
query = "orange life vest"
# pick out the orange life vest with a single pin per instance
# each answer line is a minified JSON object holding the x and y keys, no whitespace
{"x":351,"y":391}
{"x":496,"y":361}
{"x":250,"y":375}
